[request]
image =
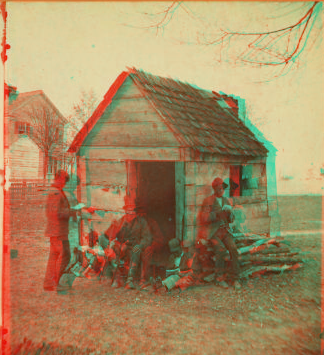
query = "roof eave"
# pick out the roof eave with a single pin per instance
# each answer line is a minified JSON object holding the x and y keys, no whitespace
{"x":88,"y":126}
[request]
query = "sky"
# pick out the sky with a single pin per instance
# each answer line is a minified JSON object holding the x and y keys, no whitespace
{"x":63,"y":48}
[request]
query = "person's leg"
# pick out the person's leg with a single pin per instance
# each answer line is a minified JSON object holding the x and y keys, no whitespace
{"x":197,"y":266}
{"x":146,"y":261}
{"x":231,"y":247}
{"x":64,"y":257}
{"x":219,"y":251}
{"x":134,"y":262}
{"x":51,"y":277}
{"x":63,"y":261}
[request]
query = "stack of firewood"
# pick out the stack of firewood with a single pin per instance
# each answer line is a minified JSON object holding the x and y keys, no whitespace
{"x":259,"y":254}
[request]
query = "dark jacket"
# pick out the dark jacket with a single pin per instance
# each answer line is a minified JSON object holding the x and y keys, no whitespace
{"x":212,"y":217}
{"x":136,"y":231}
{"x":58,"y":213}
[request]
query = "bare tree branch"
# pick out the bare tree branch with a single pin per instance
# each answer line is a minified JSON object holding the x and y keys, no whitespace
{"x":47,"y":126}
{"x":84,"y":109}
{"x":271,"y":48}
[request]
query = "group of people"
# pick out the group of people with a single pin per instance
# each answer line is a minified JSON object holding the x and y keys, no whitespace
{"x":130,"y":244}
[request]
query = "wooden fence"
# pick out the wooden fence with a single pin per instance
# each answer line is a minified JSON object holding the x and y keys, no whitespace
{"x":23,"y":190}
{"x":30,"y":189}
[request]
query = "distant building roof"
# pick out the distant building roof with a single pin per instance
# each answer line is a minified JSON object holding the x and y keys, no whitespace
{"x":203,"y":120}
{"x":19,"y":100}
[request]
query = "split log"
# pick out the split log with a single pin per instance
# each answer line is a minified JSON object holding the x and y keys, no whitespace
{"x":259,"y":270}
{"x":257,"y":246}
{"x":287,"y":256}
{"x":282,"y":258}
{"x":272,"y":249}
{"x":272,"y":261}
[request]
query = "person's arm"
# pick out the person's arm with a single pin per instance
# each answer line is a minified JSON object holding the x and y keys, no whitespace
{"x":63,"y":211}
{"x":146,"y":236}
{"x":208,"y":213}
{"x":55,"y":207}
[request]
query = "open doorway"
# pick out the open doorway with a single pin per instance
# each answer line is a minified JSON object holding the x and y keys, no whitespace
{"x":156,"y":188}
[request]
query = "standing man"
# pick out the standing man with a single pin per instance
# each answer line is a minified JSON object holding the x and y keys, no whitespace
{"x":58,"y":213}
{"x":215,"y":216}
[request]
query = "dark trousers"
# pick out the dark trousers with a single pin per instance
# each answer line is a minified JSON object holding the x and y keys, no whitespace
{"x":59,"y":258}
{"x":223,"y":238}
{"x":142,"y":258}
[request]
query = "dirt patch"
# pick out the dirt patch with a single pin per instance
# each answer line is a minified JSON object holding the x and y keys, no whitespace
{"x":273,"y":314}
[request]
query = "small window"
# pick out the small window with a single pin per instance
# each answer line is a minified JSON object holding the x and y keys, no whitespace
{"x":24,"y":128}
{"x":235,"y":181}
{"x":241,"y":181}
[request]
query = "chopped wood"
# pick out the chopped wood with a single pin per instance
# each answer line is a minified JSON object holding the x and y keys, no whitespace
{"x":287,"y":256}
{"x":254,"y":248}
{"x":257,"y":270}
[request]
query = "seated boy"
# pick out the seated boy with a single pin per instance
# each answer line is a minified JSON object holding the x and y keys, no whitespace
{"x":178,"y":273}
{"x":93,"y":258}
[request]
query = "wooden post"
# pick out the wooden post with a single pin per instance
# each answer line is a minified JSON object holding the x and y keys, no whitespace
{"x":81,"y":172}
{"x":131,"y":179}
{"x":180,"y":198}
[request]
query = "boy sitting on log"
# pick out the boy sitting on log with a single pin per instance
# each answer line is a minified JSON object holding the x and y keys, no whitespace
{"x":178,"y":269}
{"x":92,"y":257}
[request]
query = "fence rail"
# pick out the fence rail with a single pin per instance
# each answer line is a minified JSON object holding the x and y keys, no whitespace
{"x":27,"y":189}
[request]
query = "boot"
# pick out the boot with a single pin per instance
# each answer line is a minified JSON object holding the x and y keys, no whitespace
{"x":118,"y":282}
{"x":129,"y":283}
{"x":131,"y":273}
{"x":80,"y":272}
{"x":144,"y":272}
{"x":86,"y":272}
{"x":76,"y":269}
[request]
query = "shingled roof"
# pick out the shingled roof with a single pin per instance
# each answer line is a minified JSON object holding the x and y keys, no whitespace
{"x":18,"y":101}
{"x":200,"y":119}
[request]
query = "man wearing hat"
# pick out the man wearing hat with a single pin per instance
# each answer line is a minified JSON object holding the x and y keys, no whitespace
{"x":136,"y":235}
{"x":58,"y":213}
{"x":213,"y":220}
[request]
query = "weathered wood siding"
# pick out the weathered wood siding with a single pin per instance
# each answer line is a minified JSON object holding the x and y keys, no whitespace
{"x":199,"y":177}
{"x":130,"y":121}
{"x":24,"y":159}
{"x":180,"y":180}
{"x":103,"y":186}
{"x":131,"y":153}
{"x":198,"y":180}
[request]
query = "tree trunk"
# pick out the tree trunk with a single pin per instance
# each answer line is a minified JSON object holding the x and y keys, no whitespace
{"x":45,"y":167}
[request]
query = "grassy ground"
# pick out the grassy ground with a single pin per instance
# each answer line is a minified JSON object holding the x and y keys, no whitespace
{"x":275,"y":314}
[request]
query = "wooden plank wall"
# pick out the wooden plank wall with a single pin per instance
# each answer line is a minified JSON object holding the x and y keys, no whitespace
{"x":130,"y":120}
{"x":199,"y":177}
{"x":24,"y":159}
{"x":103,"y":185}
{"x":180,"y":180}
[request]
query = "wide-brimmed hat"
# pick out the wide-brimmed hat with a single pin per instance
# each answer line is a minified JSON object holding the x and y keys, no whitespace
{"x":218,"y":181}
{"x":174,"y":245}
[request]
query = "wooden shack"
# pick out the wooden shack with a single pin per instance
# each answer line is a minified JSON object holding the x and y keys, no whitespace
{"x":165,"y":141}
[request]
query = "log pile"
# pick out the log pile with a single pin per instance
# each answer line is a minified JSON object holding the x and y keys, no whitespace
{"x":259,"y":254}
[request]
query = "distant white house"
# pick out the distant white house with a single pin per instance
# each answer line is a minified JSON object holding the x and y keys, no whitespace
{"x":23,"y":154}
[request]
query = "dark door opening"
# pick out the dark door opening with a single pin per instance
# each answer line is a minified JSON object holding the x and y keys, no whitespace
{"x":156,"y":188}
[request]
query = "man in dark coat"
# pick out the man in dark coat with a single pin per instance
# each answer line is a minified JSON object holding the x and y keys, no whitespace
{"x":214,"y":234}
{"x":58,"y":213}
{"x":136,"y":235}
